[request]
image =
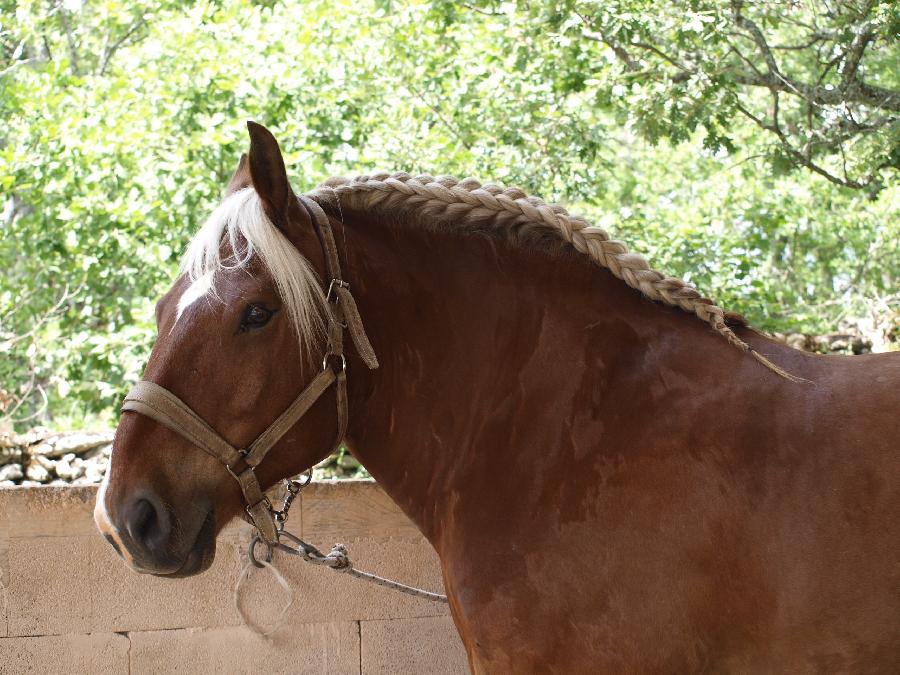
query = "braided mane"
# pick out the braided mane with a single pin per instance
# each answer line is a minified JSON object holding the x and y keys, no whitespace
{"x":469,"y":202}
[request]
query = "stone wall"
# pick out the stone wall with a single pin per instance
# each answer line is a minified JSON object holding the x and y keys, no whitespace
{"x":69,"y":604}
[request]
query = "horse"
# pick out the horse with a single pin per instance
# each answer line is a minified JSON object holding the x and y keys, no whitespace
{"x":617,"y":474}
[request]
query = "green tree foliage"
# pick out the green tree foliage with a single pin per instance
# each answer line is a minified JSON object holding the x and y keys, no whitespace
{"x":750,"y":147}
{"x":819,"y":78}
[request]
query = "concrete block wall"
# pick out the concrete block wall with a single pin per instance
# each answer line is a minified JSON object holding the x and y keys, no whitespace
{"x":68,"y":604}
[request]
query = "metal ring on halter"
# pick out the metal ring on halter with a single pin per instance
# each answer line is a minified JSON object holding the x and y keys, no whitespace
{"x":251,"y":551}
{"x":328,"y":355}
{"x":295,"y":486}
{"x":340,"y":283}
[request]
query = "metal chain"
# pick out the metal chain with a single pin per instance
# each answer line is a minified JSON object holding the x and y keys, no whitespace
{"x":293,"y":488}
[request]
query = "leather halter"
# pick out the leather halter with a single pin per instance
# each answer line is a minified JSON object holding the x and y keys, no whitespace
{"x":160,"y":404}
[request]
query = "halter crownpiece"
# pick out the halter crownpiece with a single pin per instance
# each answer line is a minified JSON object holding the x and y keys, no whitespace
{"x":160,"y":404}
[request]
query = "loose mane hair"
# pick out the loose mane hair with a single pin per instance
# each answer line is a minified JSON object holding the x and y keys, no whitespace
{"x":469,"y":203}
{"x":241,"y":222}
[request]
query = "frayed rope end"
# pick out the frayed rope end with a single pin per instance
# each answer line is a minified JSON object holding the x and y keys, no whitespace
{"x":776,"y":369}
{"x":279,"y":622}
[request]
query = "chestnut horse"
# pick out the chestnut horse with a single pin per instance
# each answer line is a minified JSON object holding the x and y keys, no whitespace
{"x":617,"y":475}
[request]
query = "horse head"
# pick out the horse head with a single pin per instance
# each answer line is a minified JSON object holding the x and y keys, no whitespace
{"x":240,"y":332}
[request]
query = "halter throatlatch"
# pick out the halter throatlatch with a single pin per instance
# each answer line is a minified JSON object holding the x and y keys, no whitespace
{"x":160,"y":404}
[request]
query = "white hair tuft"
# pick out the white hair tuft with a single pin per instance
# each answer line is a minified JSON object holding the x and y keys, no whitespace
{"x":241,"y":222}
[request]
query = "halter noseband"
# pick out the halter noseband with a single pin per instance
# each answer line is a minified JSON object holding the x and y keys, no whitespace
{"x":160,"y":404}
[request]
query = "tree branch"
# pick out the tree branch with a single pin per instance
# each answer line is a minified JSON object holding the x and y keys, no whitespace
{"x":17,"y":64}
{"x":111,"y":50}
{"x":46,"y":44}
{"x":621,"y":53}
{"x":757,"y":36}
{"x":858,"y":92}
{"x":662,"y":55}
{"x":70,"y":39}
{"x":798,"y":156}
{"x":450,"y":127}
{"x":747,"y":61}
{"x":861,"y":40}
{"x":813,"y":39}
{"x":751,"y":62}
{"x":478,"y":10}
{"x":852,"y":89}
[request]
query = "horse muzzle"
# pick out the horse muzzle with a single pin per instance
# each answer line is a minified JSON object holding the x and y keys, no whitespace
{"x":149,"y":536}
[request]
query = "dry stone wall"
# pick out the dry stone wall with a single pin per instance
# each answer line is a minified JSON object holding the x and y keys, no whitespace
{"x":69,"y":605}
{"x":43,"y":457}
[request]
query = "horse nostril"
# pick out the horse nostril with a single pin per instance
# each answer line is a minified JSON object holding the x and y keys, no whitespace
{"x":148,"y":525}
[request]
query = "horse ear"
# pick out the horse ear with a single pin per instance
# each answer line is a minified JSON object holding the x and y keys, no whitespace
{"x":241,"y":178}
{"x":268,"y":175}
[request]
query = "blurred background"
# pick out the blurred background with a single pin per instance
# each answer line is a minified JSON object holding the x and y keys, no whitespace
{"x":749,"y":147}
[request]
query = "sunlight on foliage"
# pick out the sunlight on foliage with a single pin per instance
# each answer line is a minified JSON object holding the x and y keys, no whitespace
{"x":122,"y":123}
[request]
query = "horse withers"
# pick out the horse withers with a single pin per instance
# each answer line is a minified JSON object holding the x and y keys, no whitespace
{"x":617,"y":474}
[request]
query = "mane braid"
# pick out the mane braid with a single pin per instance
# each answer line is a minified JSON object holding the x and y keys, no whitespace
{"x":236,"y":232}
{"x":468,"y":201}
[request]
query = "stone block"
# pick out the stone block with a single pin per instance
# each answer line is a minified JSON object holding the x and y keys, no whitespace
{"x":49,"y":511}
{"x":98,"y":654}
{"x":64,"y":585}
{"x":347,"y":510}
{"x":413,"y":646}
{"x":49,"y":580}
{"x":316,"y":648}
{"x":126,"y":600}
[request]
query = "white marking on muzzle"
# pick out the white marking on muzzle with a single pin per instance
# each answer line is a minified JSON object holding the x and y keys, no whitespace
{"x":104,"y":522}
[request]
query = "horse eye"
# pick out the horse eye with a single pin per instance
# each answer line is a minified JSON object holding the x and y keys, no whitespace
{"x":256,"y":316}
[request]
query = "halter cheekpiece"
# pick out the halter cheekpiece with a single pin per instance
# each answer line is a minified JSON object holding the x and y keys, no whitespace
{"x":160,"y":404}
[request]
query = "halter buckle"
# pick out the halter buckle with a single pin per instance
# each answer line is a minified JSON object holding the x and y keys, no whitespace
{"x":331,"y":295}
{"x":244,"y":453}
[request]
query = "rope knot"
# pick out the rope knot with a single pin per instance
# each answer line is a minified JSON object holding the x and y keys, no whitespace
{"x":339,"y":558}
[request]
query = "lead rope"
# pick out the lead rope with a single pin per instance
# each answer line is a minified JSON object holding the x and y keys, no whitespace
{"x":338,"y":559}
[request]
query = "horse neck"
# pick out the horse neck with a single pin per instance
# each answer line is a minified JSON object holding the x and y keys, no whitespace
{"x":498,"y":363}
